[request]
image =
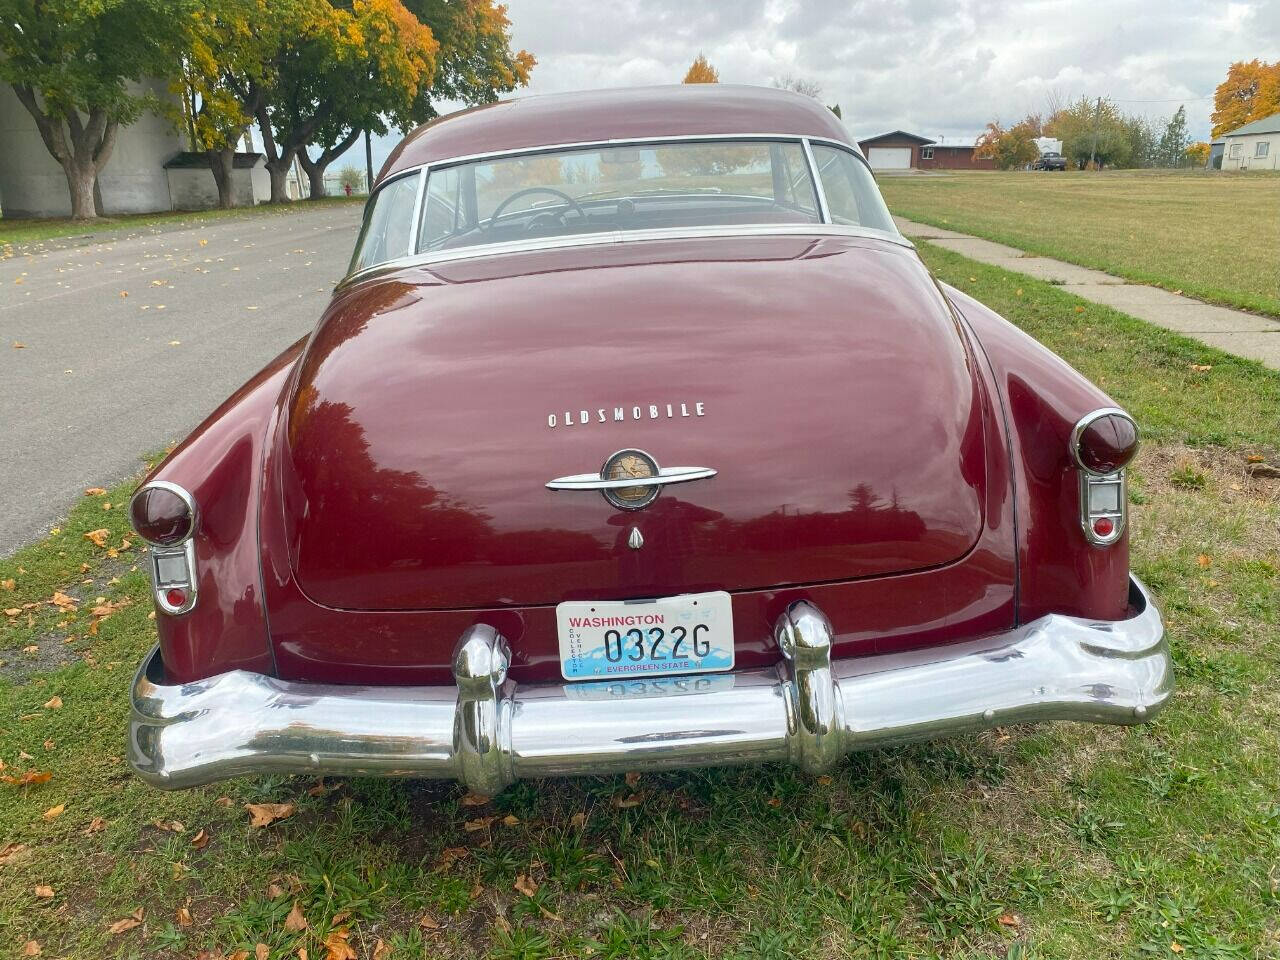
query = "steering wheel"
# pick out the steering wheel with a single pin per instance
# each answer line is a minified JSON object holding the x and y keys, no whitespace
{"x":570,"y":203}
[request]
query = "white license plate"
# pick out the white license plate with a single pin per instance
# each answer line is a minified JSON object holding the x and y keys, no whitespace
{"x":692,"y":633}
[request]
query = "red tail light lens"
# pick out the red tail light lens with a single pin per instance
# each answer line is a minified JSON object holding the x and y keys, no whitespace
{"x":163,"y":514}
{"x":1104,"y":441}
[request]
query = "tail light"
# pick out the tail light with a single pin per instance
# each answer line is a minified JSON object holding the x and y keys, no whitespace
{"x":164,"y":515}
{"x":1102,"y":445}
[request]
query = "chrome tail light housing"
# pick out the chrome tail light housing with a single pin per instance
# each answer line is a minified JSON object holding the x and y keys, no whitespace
{"x":165,"y":516}
{"x":1103,"y":443}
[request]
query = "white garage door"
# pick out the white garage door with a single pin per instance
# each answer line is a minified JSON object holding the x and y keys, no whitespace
{"x":890,"y":158}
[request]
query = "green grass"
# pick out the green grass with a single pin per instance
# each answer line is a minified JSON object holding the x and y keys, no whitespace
{"x":1213,"y":236}
{"x":16,"y":235}
{"x":1062,"y":841}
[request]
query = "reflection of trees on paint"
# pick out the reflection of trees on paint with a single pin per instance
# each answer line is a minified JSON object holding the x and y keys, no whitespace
{"x":869,"y":519}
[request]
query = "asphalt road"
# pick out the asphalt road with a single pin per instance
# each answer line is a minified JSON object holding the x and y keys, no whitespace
{"x":128,"y":344}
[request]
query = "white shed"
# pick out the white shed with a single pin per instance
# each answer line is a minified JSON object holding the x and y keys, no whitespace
{"x":1253,"y":146}
{"x":192,"y":187}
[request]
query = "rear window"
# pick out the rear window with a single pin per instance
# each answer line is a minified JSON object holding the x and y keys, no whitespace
{"x":614,"y":188}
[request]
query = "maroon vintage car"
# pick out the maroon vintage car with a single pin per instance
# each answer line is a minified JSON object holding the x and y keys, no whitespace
{"x":637,"y":437}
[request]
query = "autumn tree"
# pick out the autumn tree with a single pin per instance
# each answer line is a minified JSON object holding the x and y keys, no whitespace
{"x":1092,"y":132}
{"x":473,"y":64}
{"x":1196,"y":154}
{"x":232,"y":63}
{"x":1250,"y":92}
{"x":74,"y":66}
{"x":701,"y":72}
{"x":1014,"y":147}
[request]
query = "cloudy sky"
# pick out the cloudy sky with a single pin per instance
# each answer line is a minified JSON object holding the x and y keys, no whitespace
{"x":934,"y":67}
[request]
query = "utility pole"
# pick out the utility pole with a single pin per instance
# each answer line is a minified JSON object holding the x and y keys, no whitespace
{"x":1097,"y":115}
{"x":368,"y":163}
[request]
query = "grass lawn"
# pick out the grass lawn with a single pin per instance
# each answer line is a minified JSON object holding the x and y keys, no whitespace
{"x":18,"y":234}
{"x":1214,"y":236}
{"x":1064,"y":841}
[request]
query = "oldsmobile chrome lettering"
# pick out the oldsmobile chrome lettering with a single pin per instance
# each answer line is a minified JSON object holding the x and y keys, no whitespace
{"x":649,"y":411}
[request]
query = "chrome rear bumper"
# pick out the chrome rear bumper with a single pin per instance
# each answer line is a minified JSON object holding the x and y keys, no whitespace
{"x":808,"y":710}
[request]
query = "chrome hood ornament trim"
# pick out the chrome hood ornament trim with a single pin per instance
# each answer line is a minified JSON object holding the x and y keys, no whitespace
{"x":630,"y":479}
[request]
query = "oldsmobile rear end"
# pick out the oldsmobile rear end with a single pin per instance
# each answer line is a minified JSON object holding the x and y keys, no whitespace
{"x":637,"y":437}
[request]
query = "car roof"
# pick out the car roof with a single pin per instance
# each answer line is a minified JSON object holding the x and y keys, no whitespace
{"x":630,"y":113}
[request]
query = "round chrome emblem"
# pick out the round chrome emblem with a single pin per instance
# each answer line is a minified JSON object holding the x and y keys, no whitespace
{"x":630,"y":465}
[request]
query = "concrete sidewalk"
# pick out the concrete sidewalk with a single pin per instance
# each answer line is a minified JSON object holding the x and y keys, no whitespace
{"x":1244,"y":334}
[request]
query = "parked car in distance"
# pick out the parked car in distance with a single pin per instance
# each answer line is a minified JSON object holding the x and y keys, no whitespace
{"x":1050,"y":161}
{"x":637,"y":437}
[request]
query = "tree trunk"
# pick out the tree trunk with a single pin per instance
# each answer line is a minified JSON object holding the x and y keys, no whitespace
{"x":80,"y":181}
{"x":221,"y":162}
{"x":279,"y":171}
{"x":315,"y":174}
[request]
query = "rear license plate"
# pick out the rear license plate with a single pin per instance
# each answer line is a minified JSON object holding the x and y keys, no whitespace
{"x":692,"y":633}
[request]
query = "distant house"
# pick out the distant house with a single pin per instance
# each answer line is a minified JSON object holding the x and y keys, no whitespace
{"x":1253,"y":146}
{"x":192,"y":187}
{"x":900,"y":150}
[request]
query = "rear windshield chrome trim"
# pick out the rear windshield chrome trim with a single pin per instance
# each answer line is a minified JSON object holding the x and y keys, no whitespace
{"x":625,"y":236}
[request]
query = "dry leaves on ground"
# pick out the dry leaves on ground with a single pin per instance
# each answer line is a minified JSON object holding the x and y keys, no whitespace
{"x":183,"y":916}
{"x":44,"y":891}
{"x":54,"y":703}
{"x":524,"y":884}
{"x":295,"y":921}
{"x":98,"y":537}
{"x":128,"y":923}
{"x":337,"y":945}
{"x":200,"y":840}
{"x":474,"y":800}
{"x":13,"y":852}
{"x":25,"y":779}
{"x":54,"y":812}
{"x":265,"y":814}
{"x":31,"y":948}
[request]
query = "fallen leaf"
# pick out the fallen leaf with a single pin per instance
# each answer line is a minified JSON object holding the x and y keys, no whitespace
{"x":295,"y":921}
{"x":123,"y":294}
{"x":428,"y":922}
{"x":774,"y":802}
{"x":94,"y":492}
{"x":128,"y":923}
{"x":1204,"y":561}
{"x":53,"y":703}
{"x":451,"y":855}
{"x":381,"y":950}
{"x":578,"y":821}
{"x":99,"y":537}
{"x":480,"y":823}
{"x":223,"y":801}
{"x":510,"y":820}
{"x":525,"y":885}
{"x":1176,"y":947}
{"x":10,"y":584}
{"x":274,"y":891}
{"x":265,"y":814}
{"x":204,"y":242}
{"x":200,"y":840}
{"x":302,"y":954}
{"x":340,"y":917}
{"x":1010,"y":920}
{"x":824,"y":781}
{"x":1200,"y":367}
{"x":13,"y":612}
{"x":632,"y":779}
{"x":61,"y":600}
{"x":11,"y":852}
{"x":474,"y":800}
{"x":31,"y":948}
{"x":96,"y":825}
{"x":239,"y":955}
{"x":261,"y":951}
{"x":183,"y":917}
{"x":44,"y":892}
{"x":54,"y":812}
{"x":625,"y":803}
{"x":336,"y":944}
{"x":27,"y":778}
{"x":173,"y":826}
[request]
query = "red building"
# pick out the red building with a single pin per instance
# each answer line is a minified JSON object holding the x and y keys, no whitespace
{"x":900,"y":150}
